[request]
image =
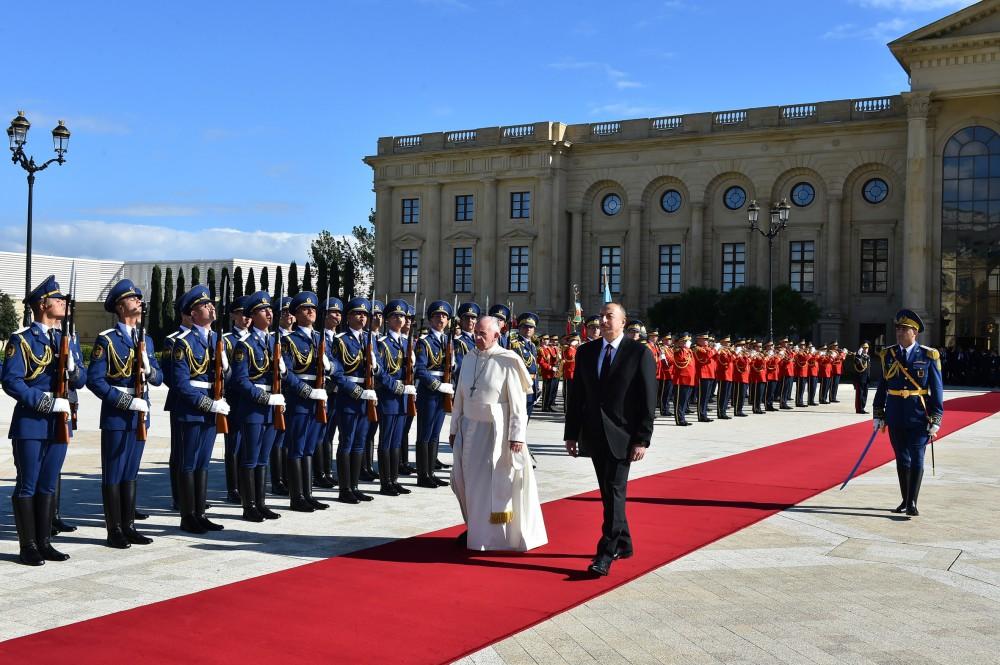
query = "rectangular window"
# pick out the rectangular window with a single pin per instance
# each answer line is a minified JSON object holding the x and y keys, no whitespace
{"x":610,"y":269}
{"x":464,"y":208}
{"x":463,"y":270}
{"x":734,"y":265}
{"x":801,"y":266}
{"x":518,"y":270}
{"x":670,"y":268}
{"x":875,"y":265}
{"x":520,"y":205}
{"x":410,"y":270}
{"x":411,"y":211}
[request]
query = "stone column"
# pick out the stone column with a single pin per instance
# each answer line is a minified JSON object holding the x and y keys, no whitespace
{"x":383,"y":239}
{"x":916,"y":245}
{"x":831,"y":257}
{"x":543,"y":286}
{"x":630,"y":292}
{"x":486,"y":282}
{"x":696,"y":246}
{"x":430,"y":258}
{"x":576,"y":249}
{"x":561,"y":291}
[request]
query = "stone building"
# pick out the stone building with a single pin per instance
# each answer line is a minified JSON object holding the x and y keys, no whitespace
{"x":895,"y":200}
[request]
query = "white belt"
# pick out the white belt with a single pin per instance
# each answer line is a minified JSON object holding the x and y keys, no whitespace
{"x":263,"y":386}
{"x":354,"y":379}
{"x":127,"y":391}
{"x":307,"y":377}
{"x":435,"y":373}
{"x":201,"y":384}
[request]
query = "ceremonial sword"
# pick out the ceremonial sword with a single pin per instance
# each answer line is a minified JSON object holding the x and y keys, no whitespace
{"x":860,"y":459}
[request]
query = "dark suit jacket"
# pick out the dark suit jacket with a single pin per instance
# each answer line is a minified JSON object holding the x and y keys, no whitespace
{"x":616,"y":410}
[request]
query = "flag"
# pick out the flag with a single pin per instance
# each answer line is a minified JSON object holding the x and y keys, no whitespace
{"x":607,"y":285}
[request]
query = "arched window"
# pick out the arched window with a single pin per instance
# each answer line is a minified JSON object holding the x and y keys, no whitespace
{"x":970,"y":218}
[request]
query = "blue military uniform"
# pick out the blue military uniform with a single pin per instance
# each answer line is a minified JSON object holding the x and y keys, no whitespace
{"x":368,"y":461}
{"x":300,"y":349}
{"x":464,"y":342}
{"x":405,"y":469}
{"x":352,"y":418}
{"x":429,"y":368}
{"x":174,"y":464}
{"x":323,"y":463}
{"x":250,"y":384}
{"x":29,"y":374}
{"x":279,"y":454}
{"x":232,"y":452}
{"x":502,"y":313}
{"x":110,"y":377}
{"x":526,"y":348}
{"x":192,"y":371}
{"x":909,"y":400}
{"x":393,"y":349}
{"x":861,"y":366}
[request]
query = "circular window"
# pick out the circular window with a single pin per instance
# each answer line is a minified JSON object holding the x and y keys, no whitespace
{"x":875,"y":190}
{"x":735,"y":197}
{"x":670,"y":201}
{"x":611,"y":204}
{"x":803,"y":194}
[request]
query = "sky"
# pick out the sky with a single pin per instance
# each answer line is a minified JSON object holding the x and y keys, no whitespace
{"x":223,"y":129}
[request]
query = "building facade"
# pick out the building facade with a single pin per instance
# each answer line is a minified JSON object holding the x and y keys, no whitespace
{"x":895,"y":200}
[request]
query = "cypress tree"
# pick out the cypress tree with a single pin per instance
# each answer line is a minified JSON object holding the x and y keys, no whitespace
{"x":350,"y":277}
{"x":307,"y":279}
{"x":251,"y":283}
{"x":333,"y":274}
{"x":167,"y":318}
{"x":279,"y":282}
{"x":264,"y":281}
{"x":237,"y":282}
{"x":195,"y":276}
{"x":155,"y":324}
{"x":321,"y":281}
{"x":212,"y":284}
{"x":181,"y":289}
{"x":293,"y":279}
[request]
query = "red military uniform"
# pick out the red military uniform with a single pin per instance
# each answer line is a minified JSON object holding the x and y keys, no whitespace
{"x":825,"y":365}
{"x":724,"y":364}
{"x":548,"y":362}
{"x":569,"y":361}
{"x":705,"y":358}
{"x":685,"y":372}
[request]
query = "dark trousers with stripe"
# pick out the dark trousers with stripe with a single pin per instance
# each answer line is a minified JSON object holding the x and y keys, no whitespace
{"x":682,"y":395}
{"x":722,"y":403}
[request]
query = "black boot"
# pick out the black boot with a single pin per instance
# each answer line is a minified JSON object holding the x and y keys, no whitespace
{"x":323,"y":460}
{"x":394,"y":467}
{"x":45,"y":508}
{"x":297,"y":501}
{"x":423,"y":472}
{"x":357,"y":459}
{"x":175,"y":493}
{"x":367,"y":468}
{"x":185,"y":488}
{"x":248,"y":493}
{"x":128,"y":515}
{"x":278,"y":472}
{"x":329,"y":474}
{"x":24,"y":521}
{"x":113,"y":516}
{"x":344,"y":476}
{"x":902,"y":472}
{"x":232,"y":478}
{"x":58,"y":525}
{"x":307,"y":482}
{"x":405,"y":468}
{"x":915,"y":478}
{"x":385,"y":475}
{"x":200,"y":501}
{"x":433,"y":463}
{"x":139,"y":515}
{"x":259,"y":503}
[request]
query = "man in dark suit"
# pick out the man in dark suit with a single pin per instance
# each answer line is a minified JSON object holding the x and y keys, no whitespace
{"x":610,"y":419}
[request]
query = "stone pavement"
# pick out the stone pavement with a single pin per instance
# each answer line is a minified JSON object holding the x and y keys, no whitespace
{"x":836,"y":579}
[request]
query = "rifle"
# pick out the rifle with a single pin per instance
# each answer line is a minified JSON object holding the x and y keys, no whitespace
{"x":369,"y":370}
{"x":411,"y":400}
{"x":74,"y":404}
{"x":61,"y":389}
{"x":449,"y":350}
{"x":218,"y":386}
{"x":137,"y":374}
{"x":320,"y":384}
{"x":279,"y":411}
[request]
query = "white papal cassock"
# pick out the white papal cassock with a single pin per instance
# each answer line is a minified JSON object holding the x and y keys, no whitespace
{"x":495,"y":487}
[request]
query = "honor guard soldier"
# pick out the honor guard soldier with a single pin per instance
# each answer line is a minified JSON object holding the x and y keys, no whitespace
{"x":592,"y":328}
{"x":350,"y":367}
{"x":239,"y":322}
{"x":323,"y":462}
{"x":909,"y":401}
{"x":465,"y":341}
{"x":37,"y":374}
{"x":825,"y":374}
{"x":431,"y":388}
{"x":813,"y":375}
{"x":633,"y":330}
{"x":861,"y":365}
{"x":368,"y":464}
{"x":405,"y":468}
{"x":300,"y":352}
{"x":724,"y":368}
{"x":569,"y":364}
{"x":502,"y":314}
{"x":174,"y":464}
{"x":279,"y":454}
{"x":773,"y":364}
{"x":685,"y":378}
{"x":758,"y":377}
{"x":704,"y":355}
{"x":787,"y":373}
{"x":192,"y":371}
{"x":252,"y":375}
{"x":119,"y":354}
{"x":741,"y":378}
{"x":526,"y":324}
{"x":392,"y":394}
{"x":666,"y":367}
{"x":801,"y":356}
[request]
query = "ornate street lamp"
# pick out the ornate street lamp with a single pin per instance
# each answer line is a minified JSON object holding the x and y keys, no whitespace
{"x":17,"y":133}
{"x":778,"y":221}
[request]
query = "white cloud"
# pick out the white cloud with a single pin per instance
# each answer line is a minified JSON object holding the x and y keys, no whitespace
{"x":133,"y":242}
{"x":915,"y":5}
{"x":172,"y":210}
{"x":626,"y":110}
{"x":624,"y":84}
{"x":616,"y":77}
{"x":881,"y":31}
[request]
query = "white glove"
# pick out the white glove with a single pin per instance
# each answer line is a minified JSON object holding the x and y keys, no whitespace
{"x":446,"y":389}
{"x":369,"y":395}
{"x":219,"y":406}
{"x":317,"y":394}
{"x":281,"y":365}
{"x":138,"y":404}
{"x":147,"y":369}
{"x":276,"y":400}
{"x":327,"y":367}
{"x":225,"y":361}
{"x":931,"y":429}
{"x":60,"y":405}
{"x":409,"y":390}
{"x":878,"y":424}
{"x":71,"y":363}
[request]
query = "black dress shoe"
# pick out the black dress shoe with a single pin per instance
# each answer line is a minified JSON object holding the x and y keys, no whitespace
{"x":724,"y":418}
{"x":684,"y":424}
{"x":117,"y":539}
{"x":439,"y":465}
{"x":623,"y":554}
{"x":865,"y":412}
{"x":705,"y":420}
{"x":231,"y":497}
{"x":912,"y":511}
{"x":388,"y":490}
{"x":600,"y":567}
{"x":437,"y":481}
{"x":429,"y":484}
{"x":742,"y":415}
{"x":406,"y":470}
{"x":400,"y":489}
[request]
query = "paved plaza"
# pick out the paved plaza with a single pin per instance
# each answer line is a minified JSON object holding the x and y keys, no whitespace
{"x":836,"y":579}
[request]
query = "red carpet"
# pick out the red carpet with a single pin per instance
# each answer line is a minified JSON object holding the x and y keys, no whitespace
{"x":422,"y":600}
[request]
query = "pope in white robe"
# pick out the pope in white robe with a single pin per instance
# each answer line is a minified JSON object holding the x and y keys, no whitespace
{"x":492,"y":474}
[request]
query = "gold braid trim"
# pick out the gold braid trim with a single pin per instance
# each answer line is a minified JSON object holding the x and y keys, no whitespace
{"x":502,"y":518}
{"x":351,"y":363}
{"x":40,"y":363}
{"x":118,"y":368}
{"x":255,"y":370}
{"x":393,"y":363}
{"x":195,"y":368}
{"x":432,"y":360}
{"x":302,"y":363}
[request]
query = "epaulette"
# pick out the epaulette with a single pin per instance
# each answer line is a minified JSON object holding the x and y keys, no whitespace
{"x":21,"y":330}
{"x":931,"y":351}
{"x":106,"y":332}
{"x":339,"y":335}
{"x":173,"y":334}
{"x":183,"y":334}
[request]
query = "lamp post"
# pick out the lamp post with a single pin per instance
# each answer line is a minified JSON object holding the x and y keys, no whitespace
{"x":18,"y":135}
{"x":779,"y":220}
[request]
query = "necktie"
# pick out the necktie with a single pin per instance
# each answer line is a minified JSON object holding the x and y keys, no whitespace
{"x":606,"y":363}
{"x":52,"y":339}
